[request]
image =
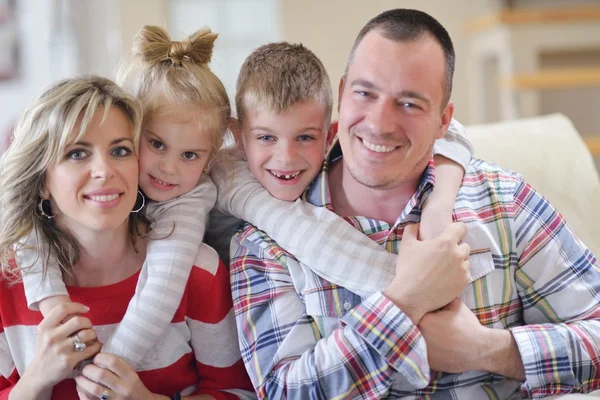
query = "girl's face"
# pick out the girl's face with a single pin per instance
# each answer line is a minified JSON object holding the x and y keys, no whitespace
{"x":173,"y":155}
{"x":94,"y":185}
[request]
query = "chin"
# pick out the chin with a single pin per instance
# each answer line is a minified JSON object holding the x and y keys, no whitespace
{"x":285,"y":195}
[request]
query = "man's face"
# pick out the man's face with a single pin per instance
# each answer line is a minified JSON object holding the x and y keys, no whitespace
{"x":390,"y":108}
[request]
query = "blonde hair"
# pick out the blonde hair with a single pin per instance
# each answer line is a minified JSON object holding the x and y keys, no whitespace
{"x":279,"y":75}
{"x":161,"y":71}
{"x":40,"y":137}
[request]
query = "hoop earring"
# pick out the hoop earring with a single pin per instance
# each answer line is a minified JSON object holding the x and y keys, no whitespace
{"x":47,"y":212}
{"x":140,"y":194}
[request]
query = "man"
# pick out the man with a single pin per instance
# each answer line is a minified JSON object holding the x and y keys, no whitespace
{"x":525,"y":323}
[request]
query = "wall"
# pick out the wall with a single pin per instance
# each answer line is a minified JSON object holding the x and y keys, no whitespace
{"x":62,"y":38}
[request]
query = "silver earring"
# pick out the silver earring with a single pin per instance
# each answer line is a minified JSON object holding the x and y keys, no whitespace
{"x":140,"y":194}
{"x":45,"y":210}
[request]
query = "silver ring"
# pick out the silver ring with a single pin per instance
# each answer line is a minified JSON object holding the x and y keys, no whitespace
{"x":77,"y":343}
{"x":105,"y":394}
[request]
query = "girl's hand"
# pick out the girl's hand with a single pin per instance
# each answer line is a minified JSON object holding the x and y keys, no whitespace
{"x":55,"y":356}
{"x":111,"y":373}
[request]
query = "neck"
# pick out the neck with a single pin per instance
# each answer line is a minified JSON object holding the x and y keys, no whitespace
{"x":351,"y":198}
{"x":106,"y":257}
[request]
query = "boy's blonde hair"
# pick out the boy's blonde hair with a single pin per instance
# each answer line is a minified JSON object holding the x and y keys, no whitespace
{"x":172,"y":79}
{"x":40,"y":137}
{"x":279,"y":75}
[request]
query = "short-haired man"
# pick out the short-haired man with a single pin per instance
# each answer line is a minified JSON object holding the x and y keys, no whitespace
{"x":526,"y":323}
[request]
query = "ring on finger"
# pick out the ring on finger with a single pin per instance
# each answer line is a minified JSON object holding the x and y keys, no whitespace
{"x":77,"y":343}
{"x":105,"y":394}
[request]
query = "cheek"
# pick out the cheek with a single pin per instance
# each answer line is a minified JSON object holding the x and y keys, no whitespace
{"x":257,"y":155}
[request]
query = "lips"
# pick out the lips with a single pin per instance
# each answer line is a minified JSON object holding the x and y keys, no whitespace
{"x":285,"y":175}
{"x":160,"y":184}
{"x":103,"y":198}
{"x":378,"y":148}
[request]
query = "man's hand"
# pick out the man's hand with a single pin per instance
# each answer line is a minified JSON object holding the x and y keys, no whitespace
{"x":430,"y":273}
{"x":457,"y":342}
{"x":453,"y":336}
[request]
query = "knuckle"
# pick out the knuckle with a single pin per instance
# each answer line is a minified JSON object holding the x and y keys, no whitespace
{"x":102,"y":375}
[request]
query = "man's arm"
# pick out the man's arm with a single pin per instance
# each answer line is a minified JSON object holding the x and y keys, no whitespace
{"x":282,"y":346}
{"x":558,"y":281}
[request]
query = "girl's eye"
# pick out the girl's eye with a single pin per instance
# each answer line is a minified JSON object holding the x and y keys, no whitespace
{"x":188,"y":155}
{"x":77,"y":154}
{"x":121,"y":152}
{"x":266,"y":138}
{"x":156,"y":144}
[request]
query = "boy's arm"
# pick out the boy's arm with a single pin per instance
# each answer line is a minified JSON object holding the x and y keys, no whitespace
{"x":452,"y":155}
{"x":43,"y":293}
{"x":177,"y":232}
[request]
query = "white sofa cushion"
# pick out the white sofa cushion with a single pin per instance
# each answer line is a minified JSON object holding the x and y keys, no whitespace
{"x":549,"y":153}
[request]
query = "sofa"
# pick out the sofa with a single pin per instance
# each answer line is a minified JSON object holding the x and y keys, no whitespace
{"x":550,"y":154}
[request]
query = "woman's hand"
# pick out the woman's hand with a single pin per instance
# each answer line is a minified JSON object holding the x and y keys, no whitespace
{"x":111,"y":373}
{"x":55,"y":356}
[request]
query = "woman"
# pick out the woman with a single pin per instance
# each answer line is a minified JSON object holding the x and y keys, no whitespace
{"x":70,"y":177}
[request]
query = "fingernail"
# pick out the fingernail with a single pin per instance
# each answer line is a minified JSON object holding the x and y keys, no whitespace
{"x":86,"y":308}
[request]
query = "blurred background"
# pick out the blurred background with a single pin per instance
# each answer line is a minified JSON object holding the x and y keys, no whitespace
{"x":515,"y":59}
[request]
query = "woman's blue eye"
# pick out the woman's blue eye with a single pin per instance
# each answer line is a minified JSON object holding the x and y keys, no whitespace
{"x":121,"y":152}
{"x":77,"y":154}
{"x":266,"y":138}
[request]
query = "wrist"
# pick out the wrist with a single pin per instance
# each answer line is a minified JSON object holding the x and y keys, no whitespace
{"x":500,"y":355}
{"x":409,"y":308}
{"x":31,"y":387}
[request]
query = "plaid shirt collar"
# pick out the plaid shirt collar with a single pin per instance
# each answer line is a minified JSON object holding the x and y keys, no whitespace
{"x":318,"y":192}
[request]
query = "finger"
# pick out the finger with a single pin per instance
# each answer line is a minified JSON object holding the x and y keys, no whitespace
{"x":90,"y":387}
{"x":90,"y":350}
{"x":62,"y":311}
{"x":74,"y":325}
{"x":464,"y":251}
{"x":114,"y":364}
{"x":411,"y":232}
{"x":87,"y":335}
{"x":102,"y":376}
{"x":455,"y":231}
{"x":83,"y":396}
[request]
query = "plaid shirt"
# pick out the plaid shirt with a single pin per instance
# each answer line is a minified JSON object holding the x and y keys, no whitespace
{"x":303,"y":337}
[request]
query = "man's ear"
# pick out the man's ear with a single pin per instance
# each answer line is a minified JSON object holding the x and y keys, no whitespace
{"x":236,"y":129}
{"x":331,"y":133}
{"x":446,"y":119}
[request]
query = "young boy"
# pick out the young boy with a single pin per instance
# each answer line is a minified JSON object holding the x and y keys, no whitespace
{"x":284,"y":105}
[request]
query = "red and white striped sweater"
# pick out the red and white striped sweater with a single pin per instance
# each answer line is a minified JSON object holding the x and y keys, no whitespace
{"x":198,"y":354}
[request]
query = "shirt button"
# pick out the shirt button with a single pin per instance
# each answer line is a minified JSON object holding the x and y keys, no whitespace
{"x":347,"y":305}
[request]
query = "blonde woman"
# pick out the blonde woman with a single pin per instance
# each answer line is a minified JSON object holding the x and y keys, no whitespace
{"x":70,"y":178}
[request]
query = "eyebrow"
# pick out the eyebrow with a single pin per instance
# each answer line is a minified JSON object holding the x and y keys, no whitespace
{"x":262,"y":128}
{"x":191,"y":150}
{"x":405,"y":93}
{"x":116,"y":141}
